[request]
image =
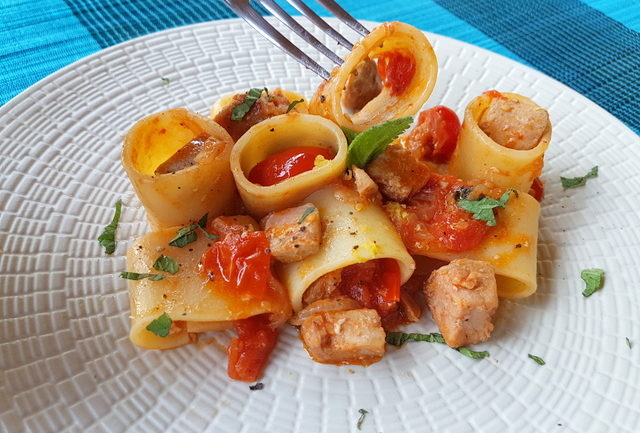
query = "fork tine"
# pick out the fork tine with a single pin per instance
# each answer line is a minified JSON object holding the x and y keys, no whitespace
{"x":344,"y":16}
{"x":281,"y":14}
{"x":315,"y":19}
{"x":256,"y":21}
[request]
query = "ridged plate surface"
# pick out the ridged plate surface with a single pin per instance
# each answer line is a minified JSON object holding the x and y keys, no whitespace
{"x":67,"y":364}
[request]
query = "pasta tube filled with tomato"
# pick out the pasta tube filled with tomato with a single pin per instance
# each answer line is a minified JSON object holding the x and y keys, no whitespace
{"x":353,"y":233}
{"x":193,"y":298}
{"x":280,"y":161}
{"x":389,"y":74}
{"x":178,"y":164}
{"x":502,"y":140}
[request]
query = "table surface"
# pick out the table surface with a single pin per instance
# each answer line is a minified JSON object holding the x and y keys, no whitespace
{"x":593,"y":46}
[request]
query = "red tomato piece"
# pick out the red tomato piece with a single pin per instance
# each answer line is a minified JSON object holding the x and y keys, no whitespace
{"x":537,"y":189}
{"x":288,"y":163}
{"x":436,"y":135}
{"x":242,"y":260}
{"x":249,"y":352}
{"x":374,"y":284}
{"x":396,"y":70}
{"x":453,"y":226}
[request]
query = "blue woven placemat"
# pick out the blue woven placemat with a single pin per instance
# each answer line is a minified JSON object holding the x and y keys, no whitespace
{"x":592,"y":46}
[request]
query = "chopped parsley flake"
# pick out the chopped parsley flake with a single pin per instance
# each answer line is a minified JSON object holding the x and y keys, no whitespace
{"x":293,"y":104}
{"x":108,"y":237}
{"x":572,"y":182}
{"x":363,"y":413}
{"x":537,"y":359}
{"x":160,"y":326}
{"x":137,"y":276}
{"x":306,"y":213}
{"x":629,"y":343}
{"x":165,"y":80}
{"x":166,"y":264}
{"x":483,"y":209}
{"x":250,"y":98}
{"x":594,"y":279}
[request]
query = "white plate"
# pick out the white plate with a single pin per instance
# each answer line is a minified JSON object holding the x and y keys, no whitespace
{"x":67,"y":363}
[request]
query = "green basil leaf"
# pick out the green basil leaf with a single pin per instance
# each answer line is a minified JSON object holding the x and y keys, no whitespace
{"x":293,"y":104}
{"x":166,"y":264}
{"x":108,"y":237}
{"x":594,"y":280}
{"x":399,"y":338}
{"x":137,"y":276}
{"x":370,"y":143}
{"x":185,"y":236}
{"x":537,"y":359}
{"x":483,"y":209}
{"x":250,"y":98}
{"x":306,"y":213}
{"x":572,"y":182}
{"x":363,"y":413}
{"x":160,"y":326}
{"x":349,"y":134}
{"x":472,"y":353}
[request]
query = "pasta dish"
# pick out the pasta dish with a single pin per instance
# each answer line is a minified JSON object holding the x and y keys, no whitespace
{"x":343,"y":215}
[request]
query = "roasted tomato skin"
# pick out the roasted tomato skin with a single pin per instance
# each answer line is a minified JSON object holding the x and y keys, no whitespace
{"x":250,"y":350}
{"x":537,"y":189}
{"x":396,"y":70}
{"x":436,"y":135}
{"x":374,"y":284}
{"x":242,"y":260}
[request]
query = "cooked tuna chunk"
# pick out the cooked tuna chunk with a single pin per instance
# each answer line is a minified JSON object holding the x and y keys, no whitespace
{"x":366,"y":187}
{"x":265,"y":107}
{"x":463,"y":299}
{"x":184,"y":157}
{"x":223,"y":225}
{"x":514,"y":124}
{"x":398,"y":173}
{"x":322,"y":288}
{"x":293,"y":233}
{"x":344,"y":337}
{"x":362,"y":86}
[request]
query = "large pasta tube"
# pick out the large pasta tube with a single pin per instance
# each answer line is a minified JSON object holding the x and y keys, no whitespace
{"x":388,"y":39}
{"x":194,"y":302}
{"x":511,"y":246}
{"x":352,"y":234}
{"x":477,"y":156}
{"x":178,"y":163}
{"x":275,"y":135}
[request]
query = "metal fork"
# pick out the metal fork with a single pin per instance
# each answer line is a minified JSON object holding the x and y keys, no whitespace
{"x":244,"y":9}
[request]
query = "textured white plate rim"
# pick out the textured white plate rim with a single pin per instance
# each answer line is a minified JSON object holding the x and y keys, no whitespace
{"x":449,"y":403}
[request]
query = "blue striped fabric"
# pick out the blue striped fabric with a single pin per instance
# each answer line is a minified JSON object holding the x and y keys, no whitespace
{"x":592,"y":46}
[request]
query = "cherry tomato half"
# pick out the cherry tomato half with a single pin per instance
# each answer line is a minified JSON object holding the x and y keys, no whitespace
{"x":436,"y":135}
{"x":242,"y":260}
{"x":288,"y":163}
